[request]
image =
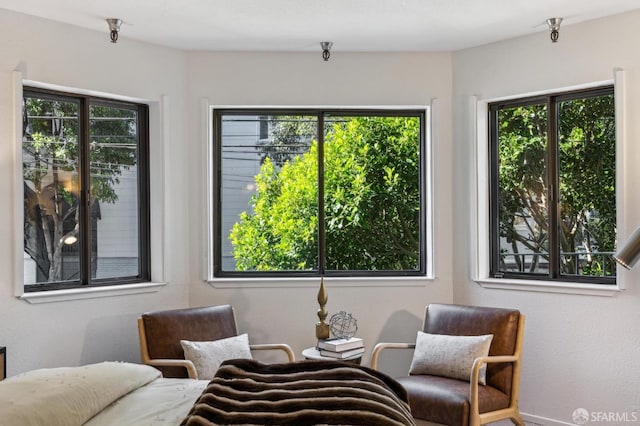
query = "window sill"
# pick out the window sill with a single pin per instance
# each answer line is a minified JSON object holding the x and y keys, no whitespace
{"x":90,"y":293}
{"x":550,"y":287}
{"x":412,"y":281}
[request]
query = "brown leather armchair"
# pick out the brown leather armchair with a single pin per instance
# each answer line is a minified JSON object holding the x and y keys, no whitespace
{"x":457,"y":402}
{"x":160,"y":333}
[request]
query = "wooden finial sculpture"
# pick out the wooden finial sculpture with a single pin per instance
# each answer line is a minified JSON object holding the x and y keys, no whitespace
{"x":322,"y":328}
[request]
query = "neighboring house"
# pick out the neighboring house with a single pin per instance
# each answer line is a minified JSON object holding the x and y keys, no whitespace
{"x":114,"y":237}
{"x":241,"y":165}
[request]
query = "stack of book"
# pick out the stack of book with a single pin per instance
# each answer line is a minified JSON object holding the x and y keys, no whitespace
{"x":341,"y":348}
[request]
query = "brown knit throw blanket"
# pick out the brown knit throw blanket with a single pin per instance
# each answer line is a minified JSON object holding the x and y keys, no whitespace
{"x":248,"y":392}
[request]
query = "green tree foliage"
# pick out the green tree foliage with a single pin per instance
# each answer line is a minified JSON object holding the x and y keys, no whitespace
{"x":523,"y":179}
{"x":51,"y":170}
{"x":586,"y":163}
{"x":371,"y":203}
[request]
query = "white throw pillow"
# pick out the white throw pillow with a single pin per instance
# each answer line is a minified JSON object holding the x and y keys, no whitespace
{"x":207,"y":356}
{"x":449,"y":356}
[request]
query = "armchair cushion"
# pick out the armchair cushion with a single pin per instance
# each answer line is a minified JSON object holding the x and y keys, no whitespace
{"x":449,"y":356}
{"x":207,"y":356}
{"x":446,"y":401}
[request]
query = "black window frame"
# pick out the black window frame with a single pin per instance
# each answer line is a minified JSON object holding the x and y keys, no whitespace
{"x":143,"y":190}
{"x":551,"y":100}
{"x":321,"y":271}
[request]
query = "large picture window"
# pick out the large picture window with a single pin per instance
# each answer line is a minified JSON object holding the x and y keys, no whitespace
{"x":553,"y":186}
{"x":86,"y":209}
{"x":308,"y":192}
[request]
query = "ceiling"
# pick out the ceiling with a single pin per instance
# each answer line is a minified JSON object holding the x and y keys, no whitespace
{"x":300,"y":25}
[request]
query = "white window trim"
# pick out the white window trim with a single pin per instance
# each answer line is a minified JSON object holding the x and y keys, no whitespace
{"x":206,"y":135}
{"x":314,"y":282}
{"x":479,"y":218}
{"x":158,"y":112}
{"x":35,"y":297}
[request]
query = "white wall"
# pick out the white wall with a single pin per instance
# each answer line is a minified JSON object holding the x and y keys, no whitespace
{"x":276,"y":313}
{"x":579,"y":351}
{"x":84,"y":331}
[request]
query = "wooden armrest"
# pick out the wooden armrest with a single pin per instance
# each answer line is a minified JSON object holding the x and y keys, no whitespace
{"x":493,"y":359}
{"x":475,"y":373}
{"x":478,"y":362}
{"x":386,"y":345}
{"x":278,"y":346}
{"x":191,"y":368}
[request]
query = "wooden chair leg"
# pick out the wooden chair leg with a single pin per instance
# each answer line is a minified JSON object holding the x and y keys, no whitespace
{"x":517,"y":420}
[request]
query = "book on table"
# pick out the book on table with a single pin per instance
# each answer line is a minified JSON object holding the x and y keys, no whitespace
{"x":339,"y":345}
{"x":343,"y":354}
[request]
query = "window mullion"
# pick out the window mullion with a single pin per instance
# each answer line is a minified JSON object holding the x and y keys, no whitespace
{"x":494,"y":191}
{"x":553,"y":195}
{"x":217,"y":190}
{"x":321,"y":227}
{"x":496,"y":211}
{"x":144,"y":183}
{"x":85,"y":192}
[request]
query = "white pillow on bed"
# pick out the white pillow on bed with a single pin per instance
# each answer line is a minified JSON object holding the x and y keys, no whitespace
{"x":207,"y":356}
{"x":449,"y":356}
{"x":68,"y":395}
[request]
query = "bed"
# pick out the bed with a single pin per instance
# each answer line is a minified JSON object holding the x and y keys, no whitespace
{"x":108,"y":393}
{"x":245,"y":392}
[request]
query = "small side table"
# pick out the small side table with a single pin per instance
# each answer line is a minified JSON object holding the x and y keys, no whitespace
{"x":314,"y":353}
{"x":3,"y":362}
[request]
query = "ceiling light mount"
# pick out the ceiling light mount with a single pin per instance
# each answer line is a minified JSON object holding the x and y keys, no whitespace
{"x":114,"y":28}
{"x":554,"y":27}
{"x":326,"y":49}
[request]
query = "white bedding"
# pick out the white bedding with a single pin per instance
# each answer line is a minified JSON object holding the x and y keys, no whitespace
{"x":109,"y":393}
{"x":162,"y":402}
